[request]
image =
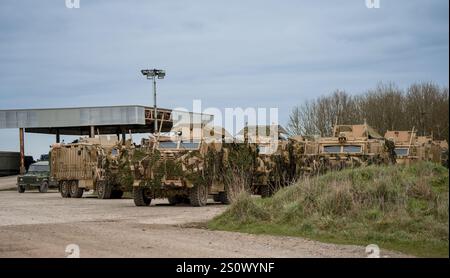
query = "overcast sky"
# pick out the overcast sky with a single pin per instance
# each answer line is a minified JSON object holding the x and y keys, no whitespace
{"x":226,"y":53}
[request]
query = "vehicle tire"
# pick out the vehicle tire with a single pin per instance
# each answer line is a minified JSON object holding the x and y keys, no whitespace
{"x":216,"y":198}
{"x":225,"y":197}
{"x":198,"y":195}
{"x":20,"y":189}
{"x":44,"y":187}
{"x":266,"y":191}
{"x":64,"y":188}
{"x":104,"y":190}
{"x":140,"y":197}
{"x":116,"y":194}
{"x":75,"y":191}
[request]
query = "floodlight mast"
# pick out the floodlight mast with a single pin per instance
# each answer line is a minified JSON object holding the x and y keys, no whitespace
{"x":152,"y":74}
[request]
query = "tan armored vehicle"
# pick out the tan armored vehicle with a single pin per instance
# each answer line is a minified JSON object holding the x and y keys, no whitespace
{"x":180,"y":167}
{"x":443,"y":146}
{"x":275,"y":166}
{"x":410,"y":148}
{"x":89,"y":163}
{"x":350,"y":146}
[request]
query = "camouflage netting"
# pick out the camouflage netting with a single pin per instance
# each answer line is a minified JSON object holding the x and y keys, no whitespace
{"x":321,"y":163}
{"x":234,"y":166}
{"x":153,"y":168}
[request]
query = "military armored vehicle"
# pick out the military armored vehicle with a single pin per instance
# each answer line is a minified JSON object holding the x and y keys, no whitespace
{"x":443,"y":147}
{"x":179,"y":166}
{"x":37,"y":176}
{"x":410,"y":148}
{"x":88,"y":163}
{"x":275,"y":163}
{"x":350,"y":146}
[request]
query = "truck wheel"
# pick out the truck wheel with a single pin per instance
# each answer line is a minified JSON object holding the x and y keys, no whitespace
{"x":198,"y":195}
{"x":64,"y":188}
{"x":140,"y":196}
{"x":225,"y":197}
{"x":44,"y":187}
{"x":266,"y":191}
{"x":116,"y":194}
{"x":104,"y":190}
{"x":20,"y":189}
{"x":75,"y":191}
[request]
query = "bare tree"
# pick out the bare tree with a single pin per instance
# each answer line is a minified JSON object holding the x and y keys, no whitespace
{"x":424,"y":106}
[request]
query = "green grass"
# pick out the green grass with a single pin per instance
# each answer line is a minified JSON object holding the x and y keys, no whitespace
{"x":403,"y":208}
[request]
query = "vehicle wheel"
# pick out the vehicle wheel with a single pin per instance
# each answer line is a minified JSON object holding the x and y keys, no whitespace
{"x":266,"y":191}
{"x":104,"y":190}
{"x":64,"y":188}
{"x":21,"y":189}
{"x":75,"y":191}
{"x":216,"y":198}
{"x":116,"y":194}
{"x":44,"y":187}
{"x":225,"y":197}
{"x":198,"y":195}
{"x":140,"y":196}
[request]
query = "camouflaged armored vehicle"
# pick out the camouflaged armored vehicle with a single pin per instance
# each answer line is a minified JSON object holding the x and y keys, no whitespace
{"x":410,"y":148}
{"x":275,"y":162}
{"x":443,"y":147}
{"x":350,"y":146}
{"x":180,"y":166}
{"x":89,"y":163}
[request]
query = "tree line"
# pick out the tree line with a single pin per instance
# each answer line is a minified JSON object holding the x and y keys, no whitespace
{"x":424,"y":106}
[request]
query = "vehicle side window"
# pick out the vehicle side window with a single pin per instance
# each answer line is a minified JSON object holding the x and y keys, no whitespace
{"x":401,"y":151}
{"x":332,"y":149}
{"x":190,"y":145}
{"x":167,"y":145}
{"x":352,"y":149}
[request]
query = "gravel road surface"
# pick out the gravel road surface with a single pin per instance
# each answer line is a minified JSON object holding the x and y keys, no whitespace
{"x":36,"y":224}
{"x":8,"y":183}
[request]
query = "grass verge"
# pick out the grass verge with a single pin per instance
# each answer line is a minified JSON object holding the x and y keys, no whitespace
{"x":403,"y":208}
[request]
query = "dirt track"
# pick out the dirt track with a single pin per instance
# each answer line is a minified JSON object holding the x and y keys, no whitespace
{"x":42,"y":225}
{"x":8,"y":183}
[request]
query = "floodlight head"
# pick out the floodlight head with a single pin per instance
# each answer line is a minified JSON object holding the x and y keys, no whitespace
{"x":161,"y":74}
{"x":147,"y":72}
{"x":154,"y":72}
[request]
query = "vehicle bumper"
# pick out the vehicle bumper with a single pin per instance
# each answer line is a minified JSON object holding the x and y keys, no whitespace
{"x":29,"y":184}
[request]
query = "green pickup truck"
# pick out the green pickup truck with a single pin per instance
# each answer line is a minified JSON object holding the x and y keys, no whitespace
{"x":38,"y":175}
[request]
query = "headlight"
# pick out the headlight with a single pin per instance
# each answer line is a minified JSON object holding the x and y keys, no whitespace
{"x":21,"y":179}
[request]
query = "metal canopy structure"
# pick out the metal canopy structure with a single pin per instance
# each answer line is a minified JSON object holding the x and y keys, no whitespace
{"x":91,"y":121}
{"x":100,"y":120}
